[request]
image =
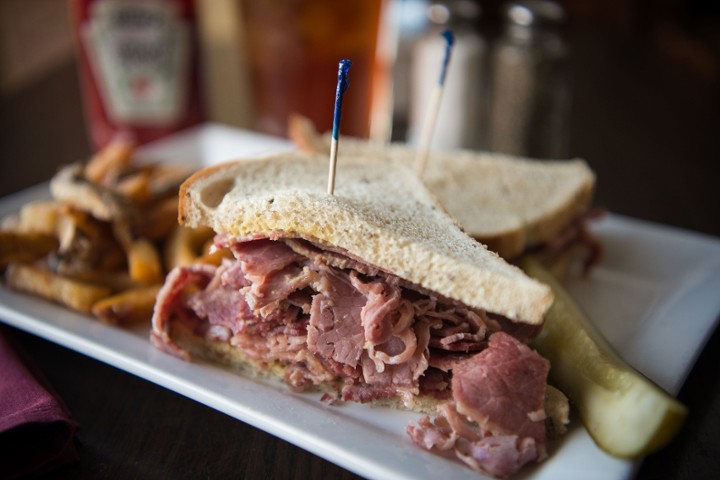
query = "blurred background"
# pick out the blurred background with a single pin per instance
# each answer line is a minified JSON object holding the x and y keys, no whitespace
{"x":632,"y":86}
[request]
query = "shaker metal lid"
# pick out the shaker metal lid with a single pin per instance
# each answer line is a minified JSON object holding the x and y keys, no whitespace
{"x":534,"y":13}
{"x":453,"y":11}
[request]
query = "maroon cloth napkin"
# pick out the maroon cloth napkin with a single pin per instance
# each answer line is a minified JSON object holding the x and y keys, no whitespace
{"x":36,"y":429}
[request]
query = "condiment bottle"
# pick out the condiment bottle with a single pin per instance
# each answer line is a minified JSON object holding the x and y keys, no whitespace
{"x":460,"y":116}
{"x":530,"y":90}
{"x":138,"y":65}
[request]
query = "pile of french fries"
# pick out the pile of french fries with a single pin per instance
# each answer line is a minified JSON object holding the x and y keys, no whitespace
{"x":106,"y":240}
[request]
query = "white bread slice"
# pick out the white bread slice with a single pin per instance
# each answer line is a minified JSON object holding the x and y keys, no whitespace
{"x":508,"y":203}
{"x":380,"y":214}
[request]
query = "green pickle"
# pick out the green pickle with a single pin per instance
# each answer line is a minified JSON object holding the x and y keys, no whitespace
{"x":626,"y":414}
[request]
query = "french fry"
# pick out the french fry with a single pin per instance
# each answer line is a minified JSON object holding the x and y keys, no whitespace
{"x":159,"y":220}
{"x":211,"y":255}
{"x":86,"y":243}
{"x":105,"y":166}
{"x":166,"y":179}
{"x":144,"y":263}
{"x":71,"y":224}
{"x":128,"y":307}
{"x":135,"y":186}
{"x":101,"y":201}
{"x":178,"y":250}
{"x":116,"y":281}
{"x":123,"y":234}
{"x":41,"y":216}
{"x":96,"y":243}
{"x":66,"y":291}
{"x":24,"y":247}
{"x":184,"y":244}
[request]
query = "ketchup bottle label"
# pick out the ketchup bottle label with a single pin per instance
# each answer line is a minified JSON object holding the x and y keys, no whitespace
{"x":138,"y":52}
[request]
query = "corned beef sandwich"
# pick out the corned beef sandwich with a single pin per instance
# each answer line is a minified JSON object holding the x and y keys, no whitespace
{"x":373,"y":294}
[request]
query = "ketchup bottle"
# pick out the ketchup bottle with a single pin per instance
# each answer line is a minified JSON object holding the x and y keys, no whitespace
{"x":139,"y":67}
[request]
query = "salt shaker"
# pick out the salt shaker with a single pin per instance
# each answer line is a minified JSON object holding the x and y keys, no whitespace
{"x":530,"y":88}
{"x":460,"y":116}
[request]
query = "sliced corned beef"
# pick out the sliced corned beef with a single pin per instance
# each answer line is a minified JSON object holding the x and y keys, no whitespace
{"x":170,"y":304}
{"x":262,"y":257}
{"x":495,"y":423}
{"x":382,"y":300}
{"x":502,"y":388}
{"x":335,"y":330}
{"x":332,"y":319}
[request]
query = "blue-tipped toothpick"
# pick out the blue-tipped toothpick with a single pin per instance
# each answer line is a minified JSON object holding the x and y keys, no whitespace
{"x":432,"y":112}
{"x":342,"y":85}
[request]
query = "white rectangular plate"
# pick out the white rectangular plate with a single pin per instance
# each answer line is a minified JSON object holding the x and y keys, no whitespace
{"x":654,"y":296}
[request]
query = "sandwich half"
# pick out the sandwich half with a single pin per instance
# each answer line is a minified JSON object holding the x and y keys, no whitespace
{"x":373,"y":294}
{"x":511,"y":204}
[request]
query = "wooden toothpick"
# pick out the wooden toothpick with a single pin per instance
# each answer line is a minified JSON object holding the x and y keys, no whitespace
{"x":434,"y":107}
{"x":342,"y":85}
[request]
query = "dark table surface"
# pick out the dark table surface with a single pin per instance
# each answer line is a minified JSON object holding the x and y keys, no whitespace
{"x":647,"y":119}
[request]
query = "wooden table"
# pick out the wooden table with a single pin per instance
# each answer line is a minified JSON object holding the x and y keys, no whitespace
{"x":646,"y":121}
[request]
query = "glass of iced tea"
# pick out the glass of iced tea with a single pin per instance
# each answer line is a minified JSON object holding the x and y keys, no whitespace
{"x":292,"y":50}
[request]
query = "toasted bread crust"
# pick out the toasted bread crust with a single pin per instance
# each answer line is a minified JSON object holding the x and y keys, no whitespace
{"x":185,"y":197}
{"x":380,"y":213}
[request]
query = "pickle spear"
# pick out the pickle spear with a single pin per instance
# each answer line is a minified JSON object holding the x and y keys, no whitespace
{"x":626,"y":414}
